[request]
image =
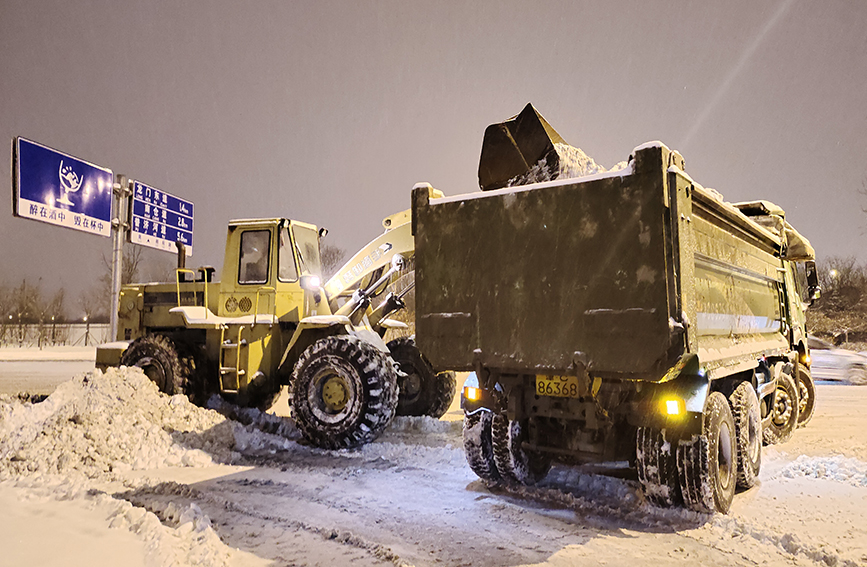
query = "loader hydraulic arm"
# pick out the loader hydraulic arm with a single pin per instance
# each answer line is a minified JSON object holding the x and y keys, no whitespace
{"x":397,"y":239}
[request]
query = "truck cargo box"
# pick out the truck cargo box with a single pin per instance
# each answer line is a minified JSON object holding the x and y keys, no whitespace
{"x":623,"y":272}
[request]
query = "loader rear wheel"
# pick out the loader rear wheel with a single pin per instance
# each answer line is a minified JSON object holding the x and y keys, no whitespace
{"x":748,"y":433}
{"x":784,"y":413}
{"x":806,"y":396}
{"x":478,"y":446}
{"x":421,"y":391}
{"x":707,"y":463}
{"x":344,"y":392}
{"x":514,"y":462}
{"x":657,"y":466}
{"x":158,"y":358}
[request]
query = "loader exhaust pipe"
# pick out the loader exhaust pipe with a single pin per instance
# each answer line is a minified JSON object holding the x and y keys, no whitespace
{"x":512,"y":148}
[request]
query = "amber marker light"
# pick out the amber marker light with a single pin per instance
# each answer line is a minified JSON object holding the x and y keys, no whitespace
{"x":472,"y":394}
{"x":673,"y":407}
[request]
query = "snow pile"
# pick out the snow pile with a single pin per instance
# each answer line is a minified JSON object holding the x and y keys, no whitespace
{"x":171,"y":535}
{"x":841,"y":469}
{"x":103,"y":423}
{"x":573,"y":163}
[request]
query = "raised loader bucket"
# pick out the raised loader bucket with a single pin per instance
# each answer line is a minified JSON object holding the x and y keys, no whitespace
{"x":511,"y":148}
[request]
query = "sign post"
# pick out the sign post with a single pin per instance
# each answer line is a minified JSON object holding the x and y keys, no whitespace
{"x":120,"y":230}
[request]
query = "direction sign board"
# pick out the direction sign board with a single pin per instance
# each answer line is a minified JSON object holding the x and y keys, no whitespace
{"x":57,"y":188}
{"x":160,"y":219}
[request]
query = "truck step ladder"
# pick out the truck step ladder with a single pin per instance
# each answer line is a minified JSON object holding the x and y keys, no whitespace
{"x":231,"y":367}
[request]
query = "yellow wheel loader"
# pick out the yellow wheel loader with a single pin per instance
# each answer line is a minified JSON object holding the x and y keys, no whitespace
{"x":270,"y":322}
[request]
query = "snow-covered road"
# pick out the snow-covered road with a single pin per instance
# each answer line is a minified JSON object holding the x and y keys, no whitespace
{"x":109,"y":464}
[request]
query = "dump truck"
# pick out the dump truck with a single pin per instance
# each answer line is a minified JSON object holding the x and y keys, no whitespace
{"x":630,"y":317}
{"x":269,"y":322}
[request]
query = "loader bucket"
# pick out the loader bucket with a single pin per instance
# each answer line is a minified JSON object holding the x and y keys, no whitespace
{"x":512,"y":147}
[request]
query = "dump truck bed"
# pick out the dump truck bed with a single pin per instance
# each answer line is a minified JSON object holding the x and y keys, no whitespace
{"x":621,"y":272}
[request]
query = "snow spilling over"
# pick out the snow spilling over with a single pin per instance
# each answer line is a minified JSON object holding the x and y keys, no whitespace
{"x":573,"y":163}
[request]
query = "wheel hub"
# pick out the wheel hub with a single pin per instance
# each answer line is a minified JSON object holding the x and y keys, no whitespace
{"x":410,"y":386}
{"x":782,"y":408}
{"x":803,"y":396}
{"x":335,"y":393}
{"x":724,"y":455}
{"x":153,"y":370}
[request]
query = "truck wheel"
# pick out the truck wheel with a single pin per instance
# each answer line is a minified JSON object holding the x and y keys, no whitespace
{"x":748,"y":433}
{"x":420,"y":390}
{"x":514,"y":463}
{"x":158,"y":358}
{"x":784,"y":413}
{"x":806,"y":396}
{"x":707,"y":463}
{"x":657,"y":467}
{"x":478,"y":446}
{"x":344,"y":392}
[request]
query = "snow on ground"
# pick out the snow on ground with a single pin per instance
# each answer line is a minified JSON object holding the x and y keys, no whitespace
{"x":107,"y":470}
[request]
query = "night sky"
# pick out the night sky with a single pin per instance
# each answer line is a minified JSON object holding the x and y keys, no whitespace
{"x":329,"y":112}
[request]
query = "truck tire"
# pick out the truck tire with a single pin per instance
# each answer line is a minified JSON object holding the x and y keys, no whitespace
{"x":514,"y":463}
{"x":420,"y":390}
{"x":657,"y":467}
{"x":784,"y":413}
{"x":748,"y":433}
{"x":478,"y":446}
{"x":158,"y":358}
{"x":707,"y":463}
{"x":806,"y":396}
{"x":344,"y":392}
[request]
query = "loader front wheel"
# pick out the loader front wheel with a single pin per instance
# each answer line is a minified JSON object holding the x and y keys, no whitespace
{"x":344,"y":392}
{"x":421,"y":390}
{"x":158,"y":358}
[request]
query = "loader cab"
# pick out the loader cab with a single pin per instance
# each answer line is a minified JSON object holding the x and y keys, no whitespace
{"x":271,"y":267}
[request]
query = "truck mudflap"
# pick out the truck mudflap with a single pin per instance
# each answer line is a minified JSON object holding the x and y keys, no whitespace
{"x":677,"y":405}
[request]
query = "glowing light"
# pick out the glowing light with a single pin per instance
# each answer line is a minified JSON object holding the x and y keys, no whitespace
{"x":472,"y":394}
{"x":674,"y":406}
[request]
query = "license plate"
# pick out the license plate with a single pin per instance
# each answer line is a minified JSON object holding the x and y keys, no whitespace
{"x":557,"y":386}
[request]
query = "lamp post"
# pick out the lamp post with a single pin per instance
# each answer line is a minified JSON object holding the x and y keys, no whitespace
{"x":86,"y":330}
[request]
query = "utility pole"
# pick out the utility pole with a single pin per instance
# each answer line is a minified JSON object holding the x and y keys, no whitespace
{"x":120,"y":227}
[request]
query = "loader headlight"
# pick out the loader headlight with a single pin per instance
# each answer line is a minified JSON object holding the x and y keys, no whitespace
{"x":805,"y":359}
{"x":311,"y":283}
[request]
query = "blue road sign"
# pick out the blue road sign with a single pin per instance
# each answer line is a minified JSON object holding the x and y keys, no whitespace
{"x":160,"y":219}
{"x":57,"y":188}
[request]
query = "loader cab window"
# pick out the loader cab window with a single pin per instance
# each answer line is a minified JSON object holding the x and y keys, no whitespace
{"x":307,"y":241}
{"x":287,"y":271}
{"x":254,"y":257}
